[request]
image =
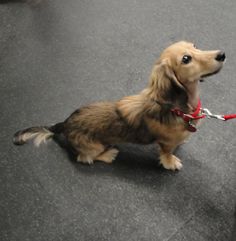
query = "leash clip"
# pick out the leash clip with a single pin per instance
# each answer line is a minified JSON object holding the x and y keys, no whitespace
{"x":210,"y":115}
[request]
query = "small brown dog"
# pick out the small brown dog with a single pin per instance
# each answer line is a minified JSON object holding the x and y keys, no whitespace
{"x":144,"y":118}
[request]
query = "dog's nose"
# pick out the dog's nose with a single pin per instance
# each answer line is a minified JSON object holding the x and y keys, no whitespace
{"x":220,"y":56}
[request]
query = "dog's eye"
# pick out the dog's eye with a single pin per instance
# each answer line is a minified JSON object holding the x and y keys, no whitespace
{"x":186,"y":59}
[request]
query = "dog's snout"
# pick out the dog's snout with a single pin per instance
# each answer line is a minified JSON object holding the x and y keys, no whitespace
{"x":220,"y":56}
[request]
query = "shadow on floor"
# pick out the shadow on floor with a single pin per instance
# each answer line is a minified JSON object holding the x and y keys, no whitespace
{"x":130,"y":156}
{"x":233,"y":238}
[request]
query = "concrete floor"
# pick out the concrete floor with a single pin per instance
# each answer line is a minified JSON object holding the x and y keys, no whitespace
{"x":57,"y":55}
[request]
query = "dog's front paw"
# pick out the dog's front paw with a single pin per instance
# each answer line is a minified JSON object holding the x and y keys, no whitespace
{"x":170,"y":162}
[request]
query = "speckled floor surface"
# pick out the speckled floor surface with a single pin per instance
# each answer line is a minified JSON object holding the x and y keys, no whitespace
{"x":57,"y":55}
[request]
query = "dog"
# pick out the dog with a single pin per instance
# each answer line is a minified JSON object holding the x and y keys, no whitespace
{"x":156,"y":115}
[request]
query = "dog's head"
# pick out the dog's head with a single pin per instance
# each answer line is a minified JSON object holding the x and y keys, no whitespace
{"x":181,"y":66}
{"x":190,"y":64}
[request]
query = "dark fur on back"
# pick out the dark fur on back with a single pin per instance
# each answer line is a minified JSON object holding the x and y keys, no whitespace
{"x":104,"y":122}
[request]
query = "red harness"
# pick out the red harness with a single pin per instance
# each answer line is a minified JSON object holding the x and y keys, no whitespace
{"x":199,"y":113}
{"x":188,"y":118}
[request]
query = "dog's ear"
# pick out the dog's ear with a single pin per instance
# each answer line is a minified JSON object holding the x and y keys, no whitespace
{"x":164,"y":85}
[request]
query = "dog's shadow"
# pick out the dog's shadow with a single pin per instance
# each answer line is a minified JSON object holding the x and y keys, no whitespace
{"x":136,"y":159}
{"x":139,"y":165}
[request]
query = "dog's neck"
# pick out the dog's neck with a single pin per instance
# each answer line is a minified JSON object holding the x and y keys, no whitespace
{"x":191,"y":90}
{"x":193,"y":95}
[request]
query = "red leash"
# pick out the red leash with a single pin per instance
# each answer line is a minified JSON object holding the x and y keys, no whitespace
{"x":219,"y":117}
{"x":228,"y":117}
{"x":199,"y":113}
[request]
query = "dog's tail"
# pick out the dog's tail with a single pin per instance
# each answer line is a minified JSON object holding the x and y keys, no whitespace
{"x":40,"y":134}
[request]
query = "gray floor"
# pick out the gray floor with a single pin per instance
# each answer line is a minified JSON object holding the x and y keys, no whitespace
{"x":57,"y":55}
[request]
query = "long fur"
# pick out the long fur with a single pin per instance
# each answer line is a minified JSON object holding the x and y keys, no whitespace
{"x":39,"y":134}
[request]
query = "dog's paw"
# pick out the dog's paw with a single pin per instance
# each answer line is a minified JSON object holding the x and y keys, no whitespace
{"x":84,"y":159}
{"x":109,"y":156}
{"x":171,"y":162}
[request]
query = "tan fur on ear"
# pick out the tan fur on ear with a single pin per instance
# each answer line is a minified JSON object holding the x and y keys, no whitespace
{"x":163,"y":83}
{"x":157,"y":81}
{"x":170,"y":74}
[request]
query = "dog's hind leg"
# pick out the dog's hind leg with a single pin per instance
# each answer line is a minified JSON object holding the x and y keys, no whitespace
{"x":88,"y":153}
{"x":108,"y":156}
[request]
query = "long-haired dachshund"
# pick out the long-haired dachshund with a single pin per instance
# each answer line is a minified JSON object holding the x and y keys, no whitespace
{"x":145,"y":118}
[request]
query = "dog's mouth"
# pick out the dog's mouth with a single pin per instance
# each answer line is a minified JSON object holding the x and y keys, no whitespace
{"x":209,"y":74}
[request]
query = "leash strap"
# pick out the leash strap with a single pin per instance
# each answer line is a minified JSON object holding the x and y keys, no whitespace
{"x":199,"y":113}
{"x":219,"y":117}
{"x":228,"y":117}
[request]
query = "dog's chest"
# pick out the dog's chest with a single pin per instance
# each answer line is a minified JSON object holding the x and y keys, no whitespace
{"x":176,"y":133}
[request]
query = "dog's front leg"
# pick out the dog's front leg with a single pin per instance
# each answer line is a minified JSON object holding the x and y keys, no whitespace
{"x":167,"y":159}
